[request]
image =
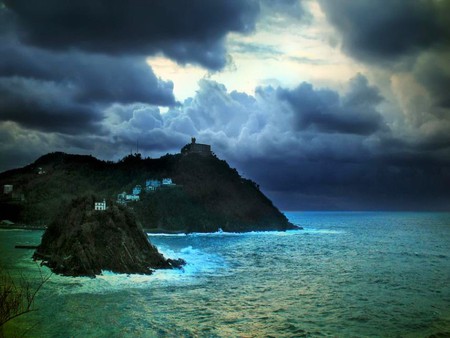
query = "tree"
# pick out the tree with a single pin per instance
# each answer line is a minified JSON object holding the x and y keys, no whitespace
{"x":17,"y":296}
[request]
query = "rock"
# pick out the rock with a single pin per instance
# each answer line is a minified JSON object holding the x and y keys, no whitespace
{"x":82,"y":241}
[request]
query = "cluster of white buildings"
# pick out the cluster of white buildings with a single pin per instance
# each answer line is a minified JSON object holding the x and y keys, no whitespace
{"x":150,"y":186}
{"x":133,"y":197}
{"x":153,"y":185}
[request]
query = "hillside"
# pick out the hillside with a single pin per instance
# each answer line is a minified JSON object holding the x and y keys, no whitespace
{"x":208,"y":194}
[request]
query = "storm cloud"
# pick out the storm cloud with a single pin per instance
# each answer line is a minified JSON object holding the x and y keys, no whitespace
{"x":186,"y":31}
{"x":409,"y":43}
{"x":385,"y":32}
{"x":74,"y":77}
{"x":94,"y":78}
{"x":399,"y":35}
{"x":44,"y":106}
{"x":325,"y":111}
{"x":58,"y":75}
{"x":67,"y":92}
{"x":432,"y":70}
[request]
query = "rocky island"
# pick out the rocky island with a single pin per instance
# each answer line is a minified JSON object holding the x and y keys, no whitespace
{"x":82,"y":241}
{"x":192,"y":191}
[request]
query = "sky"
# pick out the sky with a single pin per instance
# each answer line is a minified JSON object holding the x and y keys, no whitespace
{"x":326,"y":104}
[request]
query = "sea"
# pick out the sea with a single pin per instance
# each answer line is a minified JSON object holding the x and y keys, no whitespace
{"x":346,"y":274}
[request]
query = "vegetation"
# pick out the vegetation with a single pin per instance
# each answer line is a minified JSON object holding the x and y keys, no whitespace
{"x":209,"y":194}
{"x":17,"y":296}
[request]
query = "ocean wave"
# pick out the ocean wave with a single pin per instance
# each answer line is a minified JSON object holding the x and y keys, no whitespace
{"x":199,"y":264}
{"x":162,"y":234}
{"x":322,"y":231}
{"x":221,"y":233}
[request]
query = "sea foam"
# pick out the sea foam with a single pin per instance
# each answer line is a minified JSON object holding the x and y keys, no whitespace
{"x":199,"y":264}
{"x":221,"y":233}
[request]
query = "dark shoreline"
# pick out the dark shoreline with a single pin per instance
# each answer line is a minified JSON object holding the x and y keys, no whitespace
{"x":22,"y":227}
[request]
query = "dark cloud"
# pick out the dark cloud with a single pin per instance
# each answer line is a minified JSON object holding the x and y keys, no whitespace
{"x":379,"y":32}
{"x":45,"y":106}
{"x":409,"y":40}
{"x":433,"y":72}
{"x":94,"y":78}
{"x":187,"y":31}
{"x":67,"y":92}
{"x":143,"y":126}
{"x":19,"y":146}
{"x":324,"y":110}
{"x":365,"y":183}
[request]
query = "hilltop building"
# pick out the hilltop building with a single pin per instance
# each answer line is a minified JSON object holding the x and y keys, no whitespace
{"x":196,"y":148}
{"x":100,"y":205}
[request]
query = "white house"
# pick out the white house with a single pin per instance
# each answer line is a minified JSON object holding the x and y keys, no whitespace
{"x":137,"y":190}
{"x":151,"y":185}
{"x":132,"y":198}
{"x":167,"y":181}
{"x":100,"y":205}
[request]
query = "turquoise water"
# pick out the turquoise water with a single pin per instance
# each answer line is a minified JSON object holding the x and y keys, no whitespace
{"x":345,"y":275}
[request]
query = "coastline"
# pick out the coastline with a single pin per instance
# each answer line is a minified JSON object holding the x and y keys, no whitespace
{"x":22,"y":227}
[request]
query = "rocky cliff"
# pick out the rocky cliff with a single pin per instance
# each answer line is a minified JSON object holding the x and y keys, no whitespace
{"x":83,"y":242}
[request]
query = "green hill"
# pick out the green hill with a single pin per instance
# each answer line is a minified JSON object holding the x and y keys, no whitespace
{"x":208,"y":194}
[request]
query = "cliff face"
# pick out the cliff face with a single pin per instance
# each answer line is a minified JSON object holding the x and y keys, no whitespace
{"x":208,"y":194}
{"x":83,"y":242}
